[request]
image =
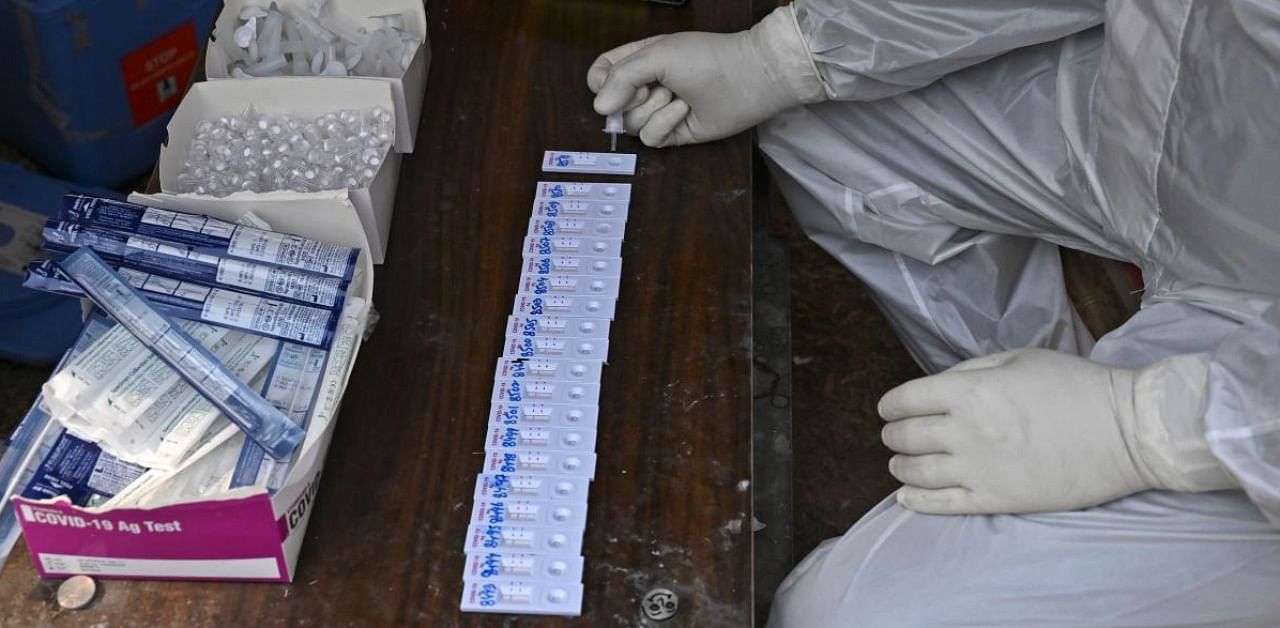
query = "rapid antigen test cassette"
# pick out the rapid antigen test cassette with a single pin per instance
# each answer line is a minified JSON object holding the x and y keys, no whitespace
{"x":572,"y":265}
{"x":547,"y":414}
{"x":520,"y":389}
{"x":535,"y":245}
{"x":556,"y":370}
{"x":527,"y":597}
{"x":541,"y":461}
{"x":551,"y":347}
{"x":584,"y":191}
{"x":530,"y":502}
{"x":569,"y":284}
{"x":558,"y":327}
{"x":519,"y":486}
{"x":485,"y":537}
{"x":579,"y":227}
{"x":589,"y":163}
{"x":563,"y":305}
{"x":572,"y":208}
{"x":505,"y":565}
{"x":512,"y":437}
{"x":529,"y":512}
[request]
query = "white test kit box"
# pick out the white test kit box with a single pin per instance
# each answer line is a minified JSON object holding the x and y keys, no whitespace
{"x":244,"y":534}
{"x":407,"y":90}
{"x":304,"y":97}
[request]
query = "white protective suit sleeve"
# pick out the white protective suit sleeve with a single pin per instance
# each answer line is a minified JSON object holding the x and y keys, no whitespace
{"x":1242,"y":415}
{"x":872,"y":50}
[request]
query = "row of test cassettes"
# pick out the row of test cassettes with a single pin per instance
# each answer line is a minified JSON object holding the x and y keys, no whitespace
{"x":524,"y":543}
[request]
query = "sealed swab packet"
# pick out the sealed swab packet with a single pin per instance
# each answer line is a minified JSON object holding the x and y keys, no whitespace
{"x":180,"y":261}
{"x":182,"y":419}
{"x":33,"y":440}
{"x":291,"y":386}
{"x":114,"y":379}
{"x":125,"y":398}
{"x":247,"y":409}
{"x":212,"y":236}
{"x":195,"y":301}
{"x":82,"y":471}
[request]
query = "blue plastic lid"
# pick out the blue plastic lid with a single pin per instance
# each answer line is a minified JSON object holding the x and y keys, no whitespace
{"x":35,"y":327}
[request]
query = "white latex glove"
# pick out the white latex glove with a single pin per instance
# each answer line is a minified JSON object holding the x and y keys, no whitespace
{"x":686,"y":88}
{"x":1036,"y":430}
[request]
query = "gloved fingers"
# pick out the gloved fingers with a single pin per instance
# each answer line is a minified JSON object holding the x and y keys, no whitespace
{"x":642,"y":94}
{"x":917,"y":435}
{"x":625,"y":77}
{"x":929,"y":471}
{"x":935,"y":394}
{"x":599,"y":70}
{"x":683,"y":133}
{"x":657,"y":132}
{"x":635,"y":119}
{"x":984,"y":362}
{"x":942,"y":501}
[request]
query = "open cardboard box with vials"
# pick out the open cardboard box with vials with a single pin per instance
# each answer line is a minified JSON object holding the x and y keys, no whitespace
{"x":407,"y":89}
{"x":245,"y":534}
{"x":304,"y":97}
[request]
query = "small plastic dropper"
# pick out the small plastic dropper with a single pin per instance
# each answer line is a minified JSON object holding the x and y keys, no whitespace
{"x":613,"y":126}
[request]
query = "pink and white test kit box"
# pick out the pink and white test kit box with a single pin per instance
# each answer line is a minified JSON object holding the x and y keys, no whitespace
{"x":244,"y":535}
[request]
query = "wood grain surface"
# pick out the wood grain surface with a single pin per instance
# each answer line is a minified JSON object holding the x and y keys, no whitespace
{"x":669,"y":506}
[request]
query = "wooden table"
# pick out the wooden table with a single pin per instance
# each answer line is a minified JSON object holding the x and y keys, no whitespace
{"x":671,"y":504}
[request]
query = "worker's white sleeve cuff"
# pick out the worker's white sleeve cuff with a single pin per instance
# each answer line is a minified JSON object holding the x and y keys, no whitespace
{"x":1169,"y":400}
{"x":787,"y":58}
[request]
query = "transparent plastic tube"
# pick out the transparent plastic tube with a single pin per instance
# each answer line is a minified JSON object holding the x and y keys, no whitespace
{"x":259,"y":420}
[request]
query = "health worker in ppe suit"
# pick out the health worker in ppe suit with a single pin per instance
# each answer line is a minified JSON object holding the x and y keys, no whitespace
{"x":942,"y":151}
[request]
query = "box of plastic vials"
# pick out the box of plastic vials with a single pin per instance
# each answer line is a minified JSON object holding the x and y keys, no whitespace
{"x":346,"y":16}
{"x":301,"y":97}
{"x":243,"y":534}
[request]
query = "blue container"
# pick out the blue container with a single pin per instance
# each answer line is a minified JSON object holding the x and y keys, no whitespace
{"x":35,"y":327}
{"x":87,"y":86}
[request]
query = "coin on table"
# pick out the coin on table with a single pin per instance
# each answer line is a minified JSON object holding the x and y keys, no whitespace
{"x":76,"y":592}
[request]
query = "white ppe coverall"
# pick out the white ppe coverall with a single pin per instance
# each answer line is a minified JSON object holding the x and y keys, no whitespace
{"x":965,"y":142}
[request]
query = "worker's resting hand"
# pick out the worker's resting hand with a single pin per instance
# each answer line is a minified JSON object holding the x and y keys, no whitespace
{"x":686,"y":88}
{"x":1036,"y":430}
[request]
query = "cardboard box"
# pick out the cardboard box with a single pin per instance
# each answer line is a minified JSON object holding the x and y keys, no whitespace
{"x":407,"y":89}
{"x":88,"y":86}
{"x":245,"y":535}
{"x":306,"y":97}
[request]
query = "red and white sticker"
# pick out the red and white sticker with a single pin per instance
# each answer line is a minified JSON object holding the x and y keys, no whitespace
{"x":157,"y":74}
